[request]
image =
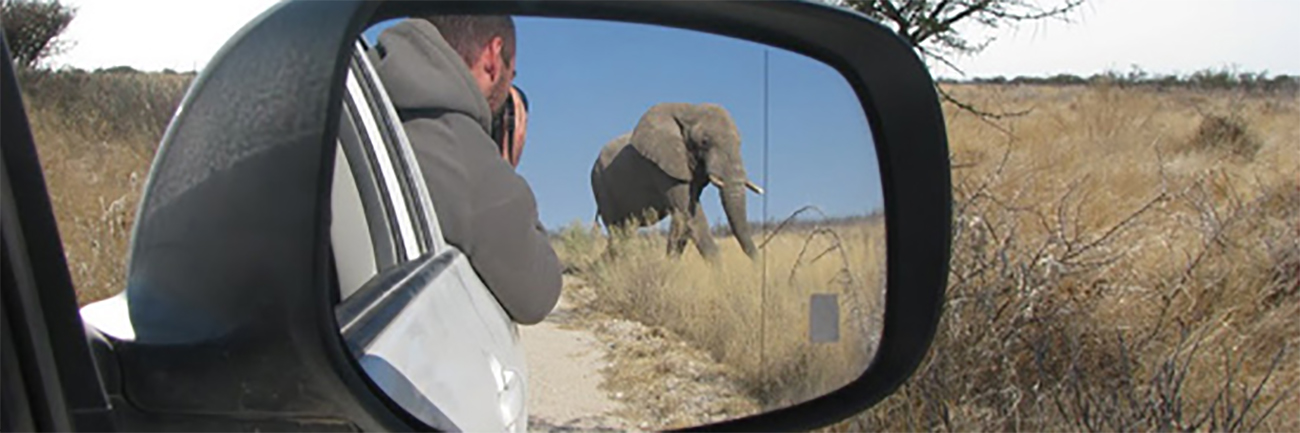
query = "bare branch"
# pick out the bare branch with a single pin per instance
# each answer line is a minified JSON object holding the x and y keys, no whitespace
{"x":984,"y":116}
{"x":945,"y":25}
{"x":931,"y":27}
{"x":1159,"y":198}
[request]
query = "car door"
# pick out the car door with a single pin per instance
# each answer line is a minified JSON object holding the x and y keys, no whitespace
{"x":414,"y":313}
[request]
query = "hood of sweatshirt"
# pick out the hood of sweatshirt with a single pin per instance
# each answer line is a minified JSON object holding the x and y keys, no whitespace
{"x":421,"y":71}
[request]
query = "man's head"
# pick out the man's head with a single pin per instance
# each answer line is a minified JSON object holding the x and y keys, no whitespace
{"x":487,"y":44}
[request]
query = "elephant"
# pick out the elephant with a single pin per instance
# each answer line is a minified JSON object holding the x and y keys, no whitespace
{"x":660,"y":169}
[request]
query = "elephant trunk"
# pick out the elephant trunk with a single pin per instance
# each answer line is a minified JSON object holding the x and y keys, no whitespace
{"x":733,"y":203}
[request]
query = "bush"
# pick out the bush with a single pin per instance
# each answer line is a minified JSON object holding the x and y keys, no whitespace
{"x":1098,"y":285}
{"x":1020,"y":347}
{"x":578,"y":246}
{"x":1204,"y":80}
{"x":115,"y":104}
{"x":1226,"y":133}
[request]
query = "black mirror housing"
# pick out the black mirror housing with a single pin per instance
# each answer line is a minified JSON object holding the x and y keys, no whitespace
{"x":233,"y":234}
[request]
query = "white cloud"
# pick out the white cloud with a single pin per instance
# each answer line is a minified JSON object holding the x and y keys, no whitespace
{"x":153,"y":34}
{"x":1163,"y":36}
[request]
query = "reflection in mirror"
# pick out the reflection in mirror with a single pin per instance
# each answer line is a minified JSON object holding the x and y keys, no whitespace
{"x":716,"y":206}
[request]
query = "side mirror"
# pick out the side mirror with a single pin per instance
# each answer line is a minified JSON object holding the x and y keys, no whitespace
{"x":288,"y":269}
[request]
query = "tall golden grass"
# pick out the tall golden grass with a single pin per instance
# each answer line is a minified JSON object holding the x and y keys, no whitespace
{"x":1123,"y":260}
{"x":751,"y":315}
{"x":96,"y":134}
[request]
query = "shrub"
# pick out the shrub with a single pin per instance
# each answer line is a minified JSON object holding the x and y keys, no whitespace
{"x":578,"y":246}
{"x":1226,"y":133}
{"x":1097,"y":285}
{"x":105,"y":106}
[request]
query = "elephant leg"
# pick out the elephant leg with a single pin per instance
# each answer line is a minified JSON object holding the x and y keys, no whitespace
{"x":701,"y":235}
{"x":609,"y":215}
{"x":611,"y":252}
{"x":679,"y":200}
{"x":615,"y":233}
{"x":679,"y":226}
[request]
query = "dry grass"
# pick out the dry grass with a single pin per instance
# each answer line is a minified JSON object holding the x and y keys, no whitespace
{"x":96,"y":134}
{"x":1123,"y":260}
{"x":751,"y":318}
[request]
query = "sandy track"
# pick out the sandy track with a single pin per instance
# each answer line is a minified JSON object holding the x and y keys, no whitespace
{"x":584,"y":365}
{"x":565,"y":380}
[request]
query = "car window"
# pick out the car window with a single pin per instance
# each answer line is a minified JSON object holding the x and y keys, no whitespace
{"x":368,"y":227}
{"x":382,"y":214}
{"x":408,"y":172}
{"x":356,"y":244}
{"x":386,"y":170}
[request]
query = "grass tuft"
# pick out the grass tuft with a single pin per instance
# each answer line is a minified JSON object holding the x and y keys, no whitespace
{"x":1226,"y":133}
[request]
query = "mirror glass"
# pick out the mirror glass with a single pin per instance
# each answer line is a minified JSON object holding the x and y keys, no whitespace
{"x":717,"y":209}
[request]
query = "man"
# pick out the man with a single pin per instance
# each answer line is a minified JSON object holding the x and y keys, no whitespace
{"x":449,"y":77}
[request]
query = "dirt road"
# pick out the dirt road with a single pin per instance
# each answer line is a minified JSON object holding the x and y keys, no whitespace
{"x":565,"y":375}
{"x":592,"y":372}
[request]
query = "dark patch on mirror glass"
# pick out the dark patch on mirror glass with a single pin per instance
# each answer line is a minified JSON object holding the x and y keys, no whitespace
{"x":824,"y":318}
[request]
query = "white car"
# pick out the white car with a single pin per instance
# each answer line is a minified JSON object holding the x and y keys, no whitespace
{"x":415,"y":315}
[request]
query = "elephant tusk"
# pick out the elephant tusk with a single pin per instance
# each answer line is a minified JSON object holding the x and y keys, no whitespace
{"x":753,"y":187}
{"x":717,"y":181}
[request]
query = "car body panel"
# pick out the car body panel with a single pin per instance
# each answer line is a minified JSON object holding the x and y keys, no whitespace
{"x":442,"y":352}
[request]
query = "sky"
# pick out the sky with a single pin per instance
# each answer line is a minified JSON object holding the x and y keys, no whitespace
{"x":1163,"y":36}
{"x":818,"y":145}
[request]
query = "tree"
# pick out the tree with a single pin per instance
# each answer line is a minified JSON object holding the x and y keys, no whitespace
{"x":32,"y":28}
{"x":931,"y":26}
{"x":117,"y":70}
{"x":936,"y":28}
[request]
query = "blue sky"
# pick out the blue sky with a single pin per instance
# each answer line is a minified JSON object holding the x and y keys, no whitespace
{"x":589,"y":81}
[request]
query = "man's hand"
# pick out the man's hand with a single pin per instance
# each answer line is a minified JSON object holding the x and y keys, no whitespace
{"x":513,"y":150}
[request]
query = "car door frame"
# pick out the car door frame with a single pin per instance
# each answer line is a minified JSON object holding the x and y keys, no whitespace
{"x":365,"y":155}
{"x":50,"y":380}
{"x":383,"y":156}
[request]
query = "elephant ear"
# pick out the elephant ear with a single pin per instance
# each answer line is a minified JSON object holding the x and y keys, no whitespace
{"x":661,"y":141}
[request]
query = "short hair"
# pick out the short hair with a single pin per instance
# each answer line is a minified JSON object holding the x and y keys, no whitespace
{"x":468,"y":34}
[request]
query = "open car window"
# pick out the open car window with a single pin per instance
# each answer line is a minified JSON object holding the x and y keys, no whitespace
{"x":381,"y":213}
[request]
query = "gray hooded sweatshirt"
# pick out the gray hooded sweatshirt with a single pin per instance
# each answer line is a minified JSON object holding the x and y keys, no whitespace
{"x":484,"y":208}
